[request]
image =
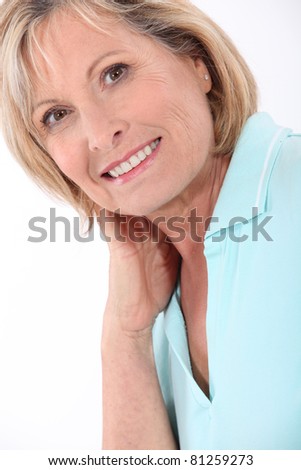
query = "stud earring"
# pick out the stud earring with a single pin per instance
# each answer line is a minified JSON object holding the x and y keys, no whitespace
{"x":206,"y":77}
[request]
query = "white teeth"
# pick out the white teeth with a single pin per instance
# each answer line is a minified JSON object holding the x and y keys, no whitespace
{"x":119,"y":170}
{"x":134,"y":160}
{"x":114,"y":173}
{"x":126,"y":167}
{"x":141,"y":156}
{"x":148,"y":150}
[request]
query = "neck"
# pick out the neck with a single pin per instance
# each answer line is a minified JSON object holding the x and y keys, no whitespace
{"x":186,"y":218}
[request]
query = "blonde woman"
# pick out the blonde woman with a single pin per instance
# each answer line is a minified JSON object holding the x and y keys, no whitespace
{"x":143,"y":114}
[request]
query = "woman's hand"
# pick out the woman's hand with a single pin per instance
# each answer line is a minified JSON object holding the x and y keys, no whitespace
{"x":143,"y":270}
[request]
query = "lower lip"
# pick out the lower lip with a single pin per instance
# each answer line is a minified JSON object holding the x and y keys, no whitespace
{"x":135,"y":171}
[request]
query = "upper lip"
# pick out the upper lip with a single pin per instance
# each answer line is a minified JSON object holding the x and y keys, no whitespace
{"x":127,"y":156}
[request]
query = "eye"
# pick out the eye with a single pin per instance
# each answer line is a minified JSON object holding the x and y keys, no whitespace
{"x":54,"y":116}
{"x":114,"y":74}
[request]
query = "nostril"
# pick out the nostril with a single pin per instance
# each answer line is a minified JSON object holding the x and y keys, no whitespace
{"x":117,"y":134}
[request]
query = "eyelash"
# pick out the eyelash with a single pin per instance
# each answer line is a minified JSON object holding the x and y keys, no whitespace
{"x":107,"y":71}
{"x":112,"y":68}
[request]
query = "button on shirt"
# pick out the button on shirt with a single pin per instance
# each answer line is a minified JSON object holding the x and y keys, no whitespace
{"x":253,"y":254}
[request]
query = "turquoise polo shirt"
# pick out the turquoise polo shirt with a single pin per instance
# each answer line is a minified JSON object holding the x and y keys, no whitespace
{"x":254,"y":306}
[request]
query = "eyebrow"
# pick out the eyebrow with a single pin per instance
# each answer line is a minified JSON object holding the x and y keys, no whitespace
{"x":100,"y":59}
{"x":42,"y":103}
{"x":90,"y":71}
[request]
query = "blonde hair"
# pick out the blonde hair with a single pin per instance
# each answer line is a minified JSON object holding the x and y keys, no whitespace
{"x":176,"y":24}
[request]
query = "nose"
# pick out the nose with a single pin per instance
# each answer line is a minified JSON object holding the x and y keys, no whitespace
{"x":104,"y":131}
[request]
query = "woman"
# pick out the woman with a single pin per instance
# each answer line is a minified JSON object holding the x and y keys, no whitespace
{"x":146,"y":109}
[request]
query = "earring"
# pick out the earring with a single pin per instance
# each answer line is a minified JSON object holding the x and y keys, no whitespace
{"x":206,"y":77}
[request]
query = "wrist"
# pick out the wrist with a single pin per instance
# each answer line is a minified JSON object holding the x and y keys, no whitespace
{"x":117,"y":336}
{"x":135,"y":319}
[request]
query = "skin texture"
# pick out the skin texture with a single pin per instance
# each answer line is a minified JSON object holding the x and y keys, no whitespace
{"x":108,"y":120}
{"x":91,"y":119}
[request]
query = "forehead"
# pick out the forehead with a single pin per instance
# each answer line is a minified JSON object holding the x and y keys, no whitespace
{"x":64,"y":43}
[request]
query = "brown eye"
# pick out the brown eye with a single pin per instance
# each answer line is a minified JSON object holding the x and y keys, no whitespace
{"x":54,"y":116}
{"x":60,"y":114}
{"x":114,"y":74}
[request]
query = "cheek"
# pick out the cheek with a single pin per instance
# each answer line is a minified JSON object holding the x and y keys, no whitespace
{"x":170,"y":102}
{"x":68,"y":158}
{"x":145,"y":102}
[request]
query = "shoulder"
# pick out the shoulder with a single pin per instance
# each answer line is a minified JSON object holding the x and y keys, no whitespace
{"x":291,"y":148}
{"x":285,"y":180}
{"x":290,"y":152}
{"x":288,"y":163}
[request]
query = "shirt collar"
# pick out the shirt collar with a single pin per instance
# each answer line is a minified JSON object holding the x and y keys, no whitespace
{"x":246,"y":182}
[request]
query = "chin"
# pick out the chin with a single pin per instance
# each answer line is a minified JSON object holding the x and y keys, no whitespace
{"x":141,"y":211}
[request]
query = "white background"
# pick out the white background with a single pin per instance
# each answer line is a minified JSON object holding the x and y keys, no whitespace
{"x":53,"y":294}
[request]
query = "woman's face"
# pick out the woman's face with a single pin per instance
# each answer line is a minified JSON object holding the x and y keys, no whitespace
{"x":118,"y":102}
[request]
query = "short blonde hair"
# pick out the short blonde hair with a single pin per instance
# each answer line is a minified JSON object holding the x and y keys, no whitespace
{"x":176,"y":24}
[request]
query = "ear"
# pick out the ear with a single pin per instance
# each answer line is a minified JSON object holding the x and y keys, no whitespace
{"x":203,"y":74}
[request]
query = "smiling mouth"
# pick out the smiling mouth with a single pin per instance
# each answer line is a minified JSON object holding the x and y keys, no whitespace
{"x":134,"y":161}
